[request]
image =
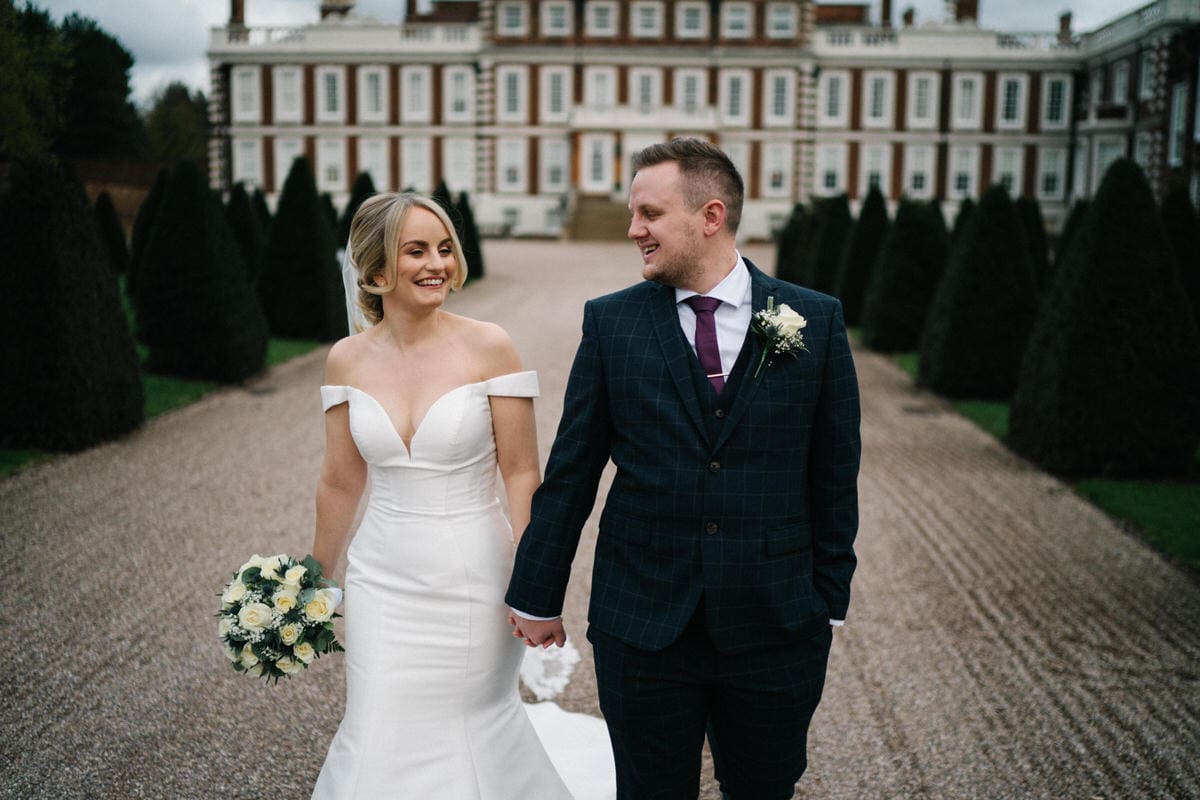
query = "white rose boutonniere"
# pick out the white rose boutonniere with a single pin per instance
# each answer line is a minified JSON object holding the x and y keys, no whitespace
{"x":779,"y":329}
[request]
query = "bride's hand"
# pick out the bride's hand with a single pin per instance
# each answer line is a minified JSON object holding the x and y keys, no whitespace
{"x":538,"y":633}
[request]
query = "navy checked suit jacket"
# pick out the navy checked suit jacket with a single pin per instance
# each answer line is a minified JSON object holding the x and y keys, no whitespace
{"x":760,"y":518}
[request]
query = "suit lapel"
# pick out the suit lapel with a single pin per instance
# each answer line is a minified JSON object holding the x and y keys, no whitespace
{"x":759,"y":290}
{"x":675,"y":352}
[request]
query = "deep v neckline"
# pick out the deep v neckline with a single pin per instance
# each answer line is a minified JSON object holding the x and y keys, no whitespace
{"x":417,"y":429}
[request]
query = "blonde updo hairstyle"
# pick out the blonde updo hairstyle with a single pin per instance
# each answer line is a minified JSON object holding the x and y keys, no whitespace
{"x":375,"y":245}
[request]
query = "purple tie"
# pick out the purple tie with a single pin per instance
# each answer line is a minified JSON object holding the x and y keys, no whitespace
{"x":706,"y":338}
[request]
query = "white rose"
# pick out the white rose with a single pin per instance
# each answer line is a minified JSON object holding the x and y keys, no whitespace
{"x":270,"y":567}
{"x":254,"y":616}
{"x":789,"y":321}
{"x":305,"y":652}
{"x":257,"y":670}
{"x":285,"y":601}
{"x":289,"y":666}
{"x":248,"y":657}
{"x":294,"y":575}
{"x":289,"y":633}
{"x":255,"y":561}
{"x":234,"y":592}
{"x":320,"y":607}
{"x":224,"y":626}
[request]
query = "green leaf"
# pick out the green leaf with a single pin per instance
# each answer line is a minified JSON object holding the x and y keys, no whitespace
{"x":313,"y":566}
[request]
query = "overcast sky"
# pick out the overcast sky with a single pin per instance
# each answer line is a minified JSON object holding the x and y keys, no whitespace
{"x":168,"y":37}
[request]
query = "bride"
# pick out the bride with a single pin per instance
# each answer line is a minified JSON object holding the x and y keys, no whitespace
{"x":426,"y":404}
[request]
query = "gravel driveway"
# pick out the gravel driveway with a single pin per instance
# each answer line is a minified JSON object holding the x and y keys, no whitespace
{"x":1005,"y":640}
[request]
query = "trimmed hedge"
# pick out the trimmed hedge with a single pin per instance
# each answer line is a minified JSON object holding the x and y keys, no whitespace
{"x":860,"y":255}
{"x":143,"y":224}
{"x":363,"y":188}
{"x":1183,"y":232}
{"x":1110,"y":384}
{"x":112,"y":233}
{"x":984,"y":308}
{"x":247,"y":232}
{"x":1030,"y":214}
{"x":790,"y":246}
{"x":469,"y":237}
{"x":71,"y":376}
{"x":830,"y":229}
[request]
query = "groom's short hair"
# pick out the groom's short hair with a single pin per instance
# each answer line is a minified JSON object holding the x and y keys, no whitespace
{"x":706,"y":171}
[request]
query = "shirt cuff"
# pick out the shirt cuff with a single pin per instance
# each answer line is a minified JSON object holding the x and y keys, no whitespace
{"x":837,"y":623}
{"x":523,"y":615}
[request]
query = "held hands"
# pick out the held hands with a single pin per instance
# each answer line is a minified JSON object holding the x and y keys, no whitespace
{"x":538,"y":633}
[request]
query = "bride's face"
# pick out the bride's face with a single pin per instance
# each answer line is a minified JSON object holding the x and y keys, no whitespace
{"x":425,"y":263}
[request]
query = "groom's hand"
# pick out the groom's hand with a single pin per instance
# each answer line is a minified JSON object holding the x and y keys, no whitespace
{"x":538,"y":633}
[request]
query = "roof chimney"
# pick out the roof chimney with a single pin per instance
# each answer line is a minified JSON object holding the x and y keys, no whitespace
{"x":339,"y":8}
{"x":965,"y":10}
{"x":885,"y":14}
{"x":237,"y":12}
{"x":1064,"y":28}
{"x":910,"y":15}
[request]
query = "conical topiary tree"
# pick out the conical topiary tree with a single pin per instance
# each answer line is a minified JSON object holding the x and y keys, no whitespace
{"x":790,"y":246}
{"x":259,"y":201}
{"x":71,"y":375}
{"x":861,"y":252}
{"x":112,"y":233}
{"x":243,"y":221}
{"x":983,"y":309}
{"x":962,"y":220}
{"x":197,"y":310}
{"x":1030,"y":214}
{"x":907,"y":273}
{"x":441,"y":195}
{"x":363,"y":188}
{"x":1183,"y":232}
{"x":1069,"y":229}
{"x":330,"y":211}
{"x":472,"y":242}
{"x":1109,"y":384}
{"x":830,"y":229}
{"x":143,"y":223}
{"x":299,"y":282}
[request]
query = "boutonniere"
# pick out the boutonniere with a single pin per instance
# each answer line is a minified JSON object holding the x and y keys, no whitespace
{"x":779,"y":331}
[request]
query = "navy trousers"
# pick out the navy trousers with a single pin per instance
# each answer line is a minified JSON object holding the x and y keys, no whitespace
{"x":755,"y":706}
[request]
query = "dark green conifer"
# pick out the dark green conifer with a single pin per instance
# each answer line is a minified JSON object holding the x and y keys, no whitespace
{"x":861,"y":252}
{"x":905,"y":277}
{"x":196,"y":308}
{"x":1183,"y":232}
{"x":244,"y":222}
{"x":71,"y":375}
{"x":112,"y":233}
{"x":790,"y":246}
{"x":472,"y":242}
{"x":962,"y":220}
{"x":983,"y":309}
{"x":330,"y":211}
{"x":300,"y":282}
{"x":830,"y":229}
{"x":143,"y":223}
{"x":1030,"y":214}
{"x":363,"y":188}
{"x":259,"y":201}
{"x":1109,"y":384}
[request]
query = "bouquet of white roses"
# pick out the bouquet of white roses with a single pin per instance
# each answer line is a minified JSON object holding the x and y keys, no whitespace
{"x":277,"y":616}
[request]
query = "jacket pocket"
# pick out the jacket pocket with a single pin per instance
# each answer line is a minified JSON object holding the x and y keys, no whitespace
{"x":789,"y":539}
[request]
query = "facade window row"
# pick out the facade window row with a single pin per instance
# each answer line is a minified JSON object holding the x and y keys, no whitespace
{"x":646,"y":19}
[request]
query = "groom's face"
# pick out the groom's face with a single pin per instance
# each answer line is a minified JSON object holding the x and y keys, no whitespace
{"x":667,"y":232}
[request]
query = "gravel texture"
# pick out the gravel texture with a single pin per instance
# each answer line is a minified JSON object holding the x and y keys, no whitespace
{"x":1005,"y":639}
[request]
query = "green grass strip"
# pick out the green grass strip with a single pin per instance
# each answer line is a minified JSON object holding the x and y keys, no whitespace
{"x":1168,"y":514}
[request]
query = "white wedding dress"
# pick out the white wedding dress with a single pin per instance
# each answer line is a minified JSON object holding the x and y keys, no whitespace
{"x":432,"y":703}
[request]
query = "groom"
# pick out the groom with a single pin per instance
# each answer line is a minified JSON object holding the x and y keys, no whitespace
{"x":725,"y":548}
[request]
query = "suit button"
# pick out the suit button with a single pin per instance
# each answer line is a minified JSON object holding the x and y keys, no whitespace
{"x":710,"y":528}
{"x":720,"y":413}
{"x":714,"y":466}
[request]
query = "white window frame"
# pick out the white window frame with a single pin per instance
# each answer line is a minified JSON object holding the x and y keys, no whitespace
{"x":554,"y":152}
{"x":450,"y":94}
{"x":1048,"y":80}
{"x":337,"y":114}
{"x":1009,"y":156}
{"x":681,"y":76}
{"x":635,"y":88}
{"x":919,"y":158}
{"x":458,"y":163}
{"x":886,"y":81}
{"x":512,"y":165}
{"x":512,"y":98}
{"x":375,"y":159}
{"x":829,"y":78}
{"x":1107,"y":150}
{"x":546,"y":10}
{"x":636,"y":14}
{"x":781,"y":21}
{"x":739,"y":154}
{"x":246,"y":93}
{"x":1147,"y":64}
{"x":416,"y":94}
{"x":739,"y":117}
{"x":415,"y":158}
{"x":683,"y":10}
{"x":1021,"y":81}
{"x":512,"y":18}
{"x":546,"y":76}
{"x":286,"y":150}
{"x":592,"y":26}
{"x":1096,"y":86}
{"x":928,"y":121}
{"x":831,"y":160}
{"x":1119,"y":90}
{"x":963,"y":158}
{"x":590,"y":145}
{"x":733,"y":12}
{"x":247,"y":161}
{"x":879,"y":155}
{"x":365,"y":114}
{"x":287,"y":82}
{"x":1177,"y":127}
{"x":600,"y":87}
{"x":1079,"y":176}
{"x":331,"y":165}
{"x":777,"y":157}
{"x":770,"y":117}
{"x":959,"y":120}
{"x":1052,"y":161}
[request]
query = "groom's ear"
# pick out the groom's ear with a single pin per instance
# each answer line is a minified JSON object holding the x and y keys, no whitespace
{"x":714,"y":216}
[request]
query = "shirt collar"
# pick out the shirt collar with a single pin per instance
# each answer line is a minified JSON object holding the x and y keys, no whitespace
{"x":734,"y":288}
